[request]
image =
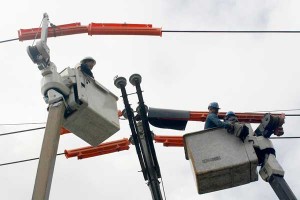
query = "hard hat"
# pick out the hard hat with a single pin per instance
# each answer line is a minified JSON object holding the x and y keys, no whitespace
{"x":88,"y":58}
{"x":230,"y":113}
{"x":213,"y":105}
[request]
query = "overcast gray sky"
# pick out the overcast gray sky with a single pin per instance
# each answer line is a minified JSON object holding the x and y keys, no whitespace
{"x":243,"y":72}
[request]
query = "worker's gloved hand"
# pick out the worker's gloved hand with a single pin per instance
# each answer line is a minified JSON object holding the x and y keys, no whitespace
{"x":244,"y":133}
{"x":240,"y":130}
{"x":230,"y":129}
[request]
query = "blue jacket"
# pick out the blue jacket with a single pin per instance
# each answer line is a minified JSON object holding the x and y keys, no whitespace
{"x":213,"y":121}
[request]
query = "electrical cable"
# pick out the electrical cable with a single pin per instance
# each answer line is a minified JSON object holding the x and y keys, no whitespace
{"x":37,"y":33}
{"x":27,"y":130}
{"x":9,"y":40}
{"x":163,"y":187}
{"x":31,"y":159}
{"x":278,"y":110}
{"x":223,"y":31}
{"x":26,"y":160}
{"x":194,"y":31}
{"x":18,"y":124}
{"x":284,"y":137}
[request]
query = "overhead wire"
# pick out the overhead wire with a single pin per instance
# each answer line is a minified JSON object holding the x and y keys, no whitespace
{"x":37,"y":32}
{"x":228,"y":31}
{"x":284,"y":137}
{"x":163,"y":187}
{"x":201,"y":31}
{"x":21,"y":131}
{"x":9,"y":40}
{"x":25,"y":160}
{"x":19,"y":124}
{"x":295,"y":109}
{"x":32,"y":159}
{"x":33,"y":129}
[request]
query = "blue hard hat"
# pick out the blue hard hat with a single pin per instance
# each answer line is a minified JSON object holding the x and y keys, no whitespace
{"x":230,"y":113}
{"x":214,"y":105}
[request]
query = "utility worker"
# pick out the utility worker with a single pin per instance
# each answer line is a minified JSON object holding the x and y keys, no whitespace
{"x":86,"y":66}
{"x":212,"y":120}
{"x":230,"y":117}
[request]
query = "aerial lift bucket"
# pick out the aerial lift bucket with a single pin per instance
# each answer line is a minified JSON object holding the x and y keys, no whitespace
{"x":220,"y":160}
{"x":92,"y":113}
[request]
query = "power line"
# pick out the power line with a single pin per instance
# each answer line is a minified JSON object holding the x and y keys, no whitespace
{"x":9,"y":40}
{"x":203,"y":31}
{"x":264,"y":111}
{"x":224,"y":31}
{"x":284,"y":137}
{"x":17,"y":124}
{"x":26,"y":160}
{"x":31,"y":159}
{"x":27,"y":130}
{"x":295,"y":109}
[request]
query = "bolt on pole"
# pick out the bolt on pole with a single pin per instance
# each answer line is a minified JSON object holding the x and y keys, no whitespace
{"x":46,"y":164}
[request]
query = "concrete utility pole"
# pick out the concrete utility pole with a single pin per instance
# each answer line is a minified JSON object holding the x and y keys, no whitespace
{"x":46,"y":164}
{"x":51,"y":84}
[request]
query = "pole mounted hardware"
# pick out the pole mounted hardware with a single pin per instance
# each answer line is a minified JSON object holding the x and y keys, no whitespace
{"x":141,"y":137}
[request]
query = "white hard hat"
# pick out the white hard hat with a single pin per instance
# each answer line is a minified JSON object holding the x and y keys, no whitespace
{"x":88,"y":58}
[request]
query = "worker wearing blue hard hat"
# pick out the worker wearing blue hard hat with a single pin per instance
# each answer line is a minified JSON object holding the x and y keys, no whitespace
{"x":86,"y":66}
{"x":230,"y":117}
{"x":212,"y":119}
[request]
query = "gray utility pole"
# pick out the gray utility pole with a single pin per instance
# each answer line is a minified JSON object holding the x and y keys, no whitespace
{"x":54,"y":91}
{"x":48,"y":153}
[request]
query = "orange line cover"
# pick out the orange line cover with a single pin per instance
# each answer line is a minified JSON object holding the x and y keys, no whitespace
{"x":242,"y":117}
{"x":104,"y":148}
{"x":61,"y":30}
{"x":123,"y":29}
{"x":169,"y":141}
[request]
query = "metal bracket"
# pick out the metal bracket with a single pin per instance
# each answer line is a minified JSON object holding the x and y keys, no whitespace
{"x":53,"y":81}
{"x":271,"y":167}
{"x":54,"y":96}
{"x":40,"y":53}
{"x":261,"y":142}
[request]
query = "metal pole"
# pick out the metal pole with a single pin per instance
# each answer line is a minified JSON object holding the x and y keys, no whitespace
{"x":281,"y":188}
{"x":135,"y":80}
{"x":44,"y":31}
{"x":120,"y":83}
{"x":143,"y":149}
{"x":153,"y":182}
{"x":46,"y":164}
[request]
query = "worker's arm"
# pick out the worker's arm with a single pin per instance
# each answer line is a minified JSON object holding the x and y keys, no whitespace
{"x":85,"y":69}
{"x":214,"y":119}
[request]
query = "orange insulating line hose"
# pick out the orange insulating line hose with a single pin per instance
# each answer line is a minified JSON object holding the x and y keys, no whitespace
{"x":104,"y":148}
{"x":91,"y":29}
{"x":61,"y":30}
{"x":243,"y":117}
{"x":123,"y":29}
{"x":169,"y":141}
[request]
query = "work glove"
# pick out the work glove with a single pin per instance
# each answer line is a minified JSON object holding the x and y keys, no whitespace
{"x":230,"y":129}
{"x":240,"y":130}
{"x":244,"y":133}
